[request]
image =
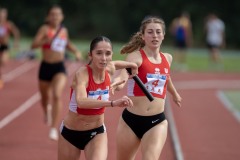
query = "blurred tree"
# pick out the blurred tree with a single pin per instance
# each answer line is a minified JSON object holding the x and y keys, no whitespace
{"x":119,"y":19}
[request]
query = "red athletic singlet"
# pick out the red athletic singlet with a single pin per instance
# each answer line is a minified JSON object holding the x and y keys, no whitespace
{"x":154,"y":76}
{"x":94,"y":91}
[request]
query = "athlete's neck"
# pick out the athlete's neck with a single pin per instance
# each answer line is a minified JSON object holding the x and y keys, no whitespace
{"x":151,"y":52}
{"x":98,"y":74}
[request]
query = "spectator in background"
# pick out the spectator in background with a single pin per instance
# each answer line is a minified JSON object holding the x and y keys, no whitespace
{"x":53,"y":38}
{"x":215,"y":37}
{"x":181,"y":30}
{"x":6,"y":29}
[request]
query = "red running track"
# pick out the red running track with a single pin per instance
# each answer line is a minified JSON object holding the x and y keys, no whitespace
{"x":205,"y":128}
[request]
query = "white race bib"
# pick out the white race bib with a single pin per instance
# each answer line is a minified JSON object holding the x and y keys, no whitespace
{"x":99,"y":95}
{"x":58,"y":45}
{"x":155,"y":83}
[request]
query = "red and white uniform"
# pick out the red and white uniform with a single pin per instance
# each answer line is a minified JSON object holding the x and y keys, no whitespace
{"x":94,"y":91}
{"x":154,"y":76}
{"x":59,"y":42}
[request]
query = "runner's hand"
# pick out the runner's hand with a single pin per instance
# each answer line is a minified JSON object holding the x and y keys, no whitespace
{"x":114,"y":85}
{"x":78,"y":56}
{"x":177,"y":99}
{"x":123,"y":102}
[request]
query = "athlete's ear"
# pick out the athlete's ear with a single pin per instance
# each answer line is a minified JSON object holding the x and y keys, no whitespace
{"x":141,"y":36}
{"x":90,"y":58}
{"x":89,"y":54}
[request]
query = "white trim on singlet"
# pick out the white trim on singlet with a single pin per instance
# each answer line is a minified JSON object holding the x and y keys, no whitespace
{"x":73,"y":103}
{"x":130,"y":87}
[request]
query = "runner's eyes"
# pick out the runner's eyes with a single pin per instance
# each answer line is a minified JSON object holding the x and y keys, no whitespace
{"x":157,"y":32}
{"x":108,"y":53}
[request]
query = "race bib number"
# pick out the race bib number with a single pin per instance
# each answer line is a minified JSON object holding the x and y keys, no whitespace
{"x":58,"y":45}
{"x":155,"y":83}
{"x":99,"y":95}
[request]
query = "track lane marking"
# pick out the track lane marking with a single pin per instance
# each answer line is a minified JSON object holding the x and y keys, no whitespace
{"x":207,"y":84}
{"x":29,"y":102}
{"x":179,"y":85}
{"x":173,"y":132}
{"x":21,"y":109}
{"x":228,"y":105}
{"x":25,"y":67}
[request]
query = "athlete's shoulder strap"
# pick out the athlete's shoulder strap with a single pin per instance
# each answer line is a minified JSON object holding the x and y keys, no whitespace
{"x":57,"y":32}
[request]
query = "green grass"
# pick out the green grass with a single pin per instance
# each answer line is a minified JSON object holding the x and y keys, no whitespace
{"x":197,"y":59}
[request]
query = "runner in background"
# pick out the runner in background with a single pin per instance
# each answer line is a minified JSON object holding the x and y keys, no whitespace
{"x":6,"y":29}
{"x":215,"y":39}
{"x":53,"y":38}
{"x":181,"y":30}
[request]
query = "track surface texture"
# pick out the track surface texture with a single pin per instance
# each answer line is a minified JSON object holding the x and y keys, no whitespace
{"x":202,"y":129}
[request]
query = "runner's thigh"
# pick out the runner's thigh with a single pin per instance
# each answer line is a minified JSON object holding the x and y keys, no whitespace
{"x":153,"y":141}
{"x":66,"y":151}
{"x":96,"y":149}
{"x":127,"y":142}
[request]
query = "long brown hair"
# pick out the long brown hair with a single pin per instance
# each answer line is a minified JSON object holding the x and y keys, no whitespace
{"x":136,"y":42}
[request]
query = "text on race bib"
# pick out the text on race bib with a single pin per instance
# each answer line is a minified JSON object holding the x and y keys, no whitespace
{"x":99,"y":95}
{"x":155,"y":83}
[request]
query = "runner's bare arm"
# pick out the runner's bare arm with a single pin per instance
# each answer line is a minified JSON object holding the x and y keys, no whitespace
{"x":40,"y":38}
{"x":73,"y":49}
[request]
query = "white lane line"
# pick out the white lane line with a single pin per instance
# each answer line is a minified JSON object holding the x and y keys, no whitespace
{"x":207,"y":84}
{"x":173,"y":132}
{"x":17,"y":71}
{"x":29,"y":102}
{"x":228,"y":105}
{"x":21,"y":109}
